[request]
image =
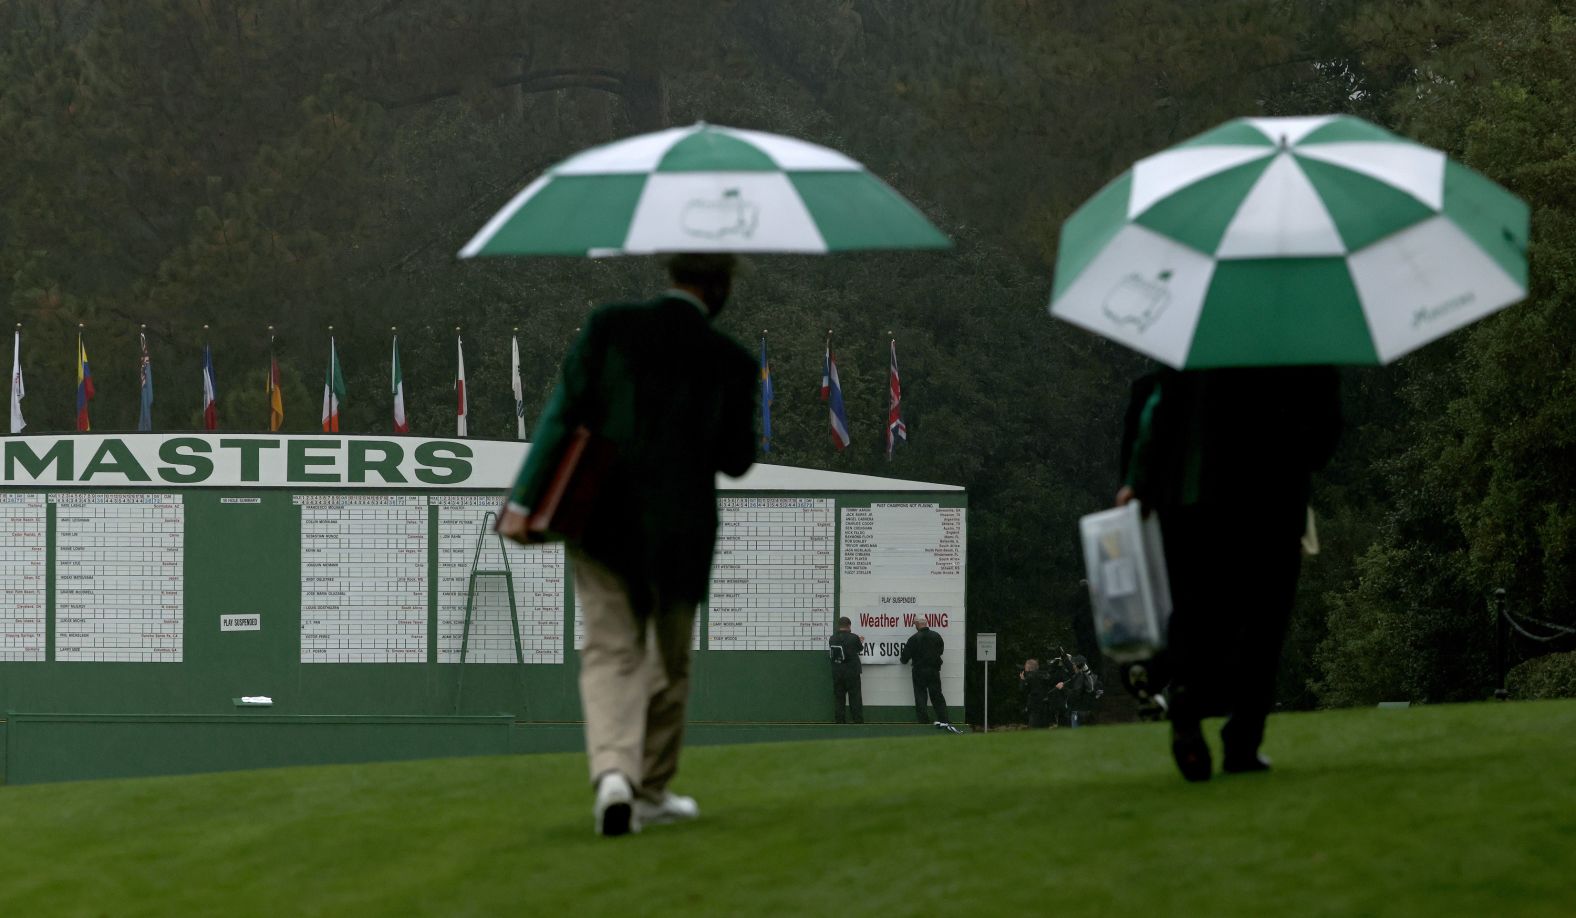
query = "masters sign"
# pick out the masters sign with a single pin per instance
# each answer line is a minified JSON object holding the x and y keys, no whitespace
{"x":190,"y":460}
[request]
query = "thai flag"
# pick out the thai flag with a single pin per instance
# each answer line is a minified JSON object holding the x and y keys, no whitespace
{"x":896,"y":429}
{"x":210,"y":407}
{"x":832,"y":393}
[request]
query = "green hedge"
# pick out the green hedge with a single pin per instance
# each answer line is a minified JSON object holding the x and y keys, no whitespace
{"x":1550,"y":676}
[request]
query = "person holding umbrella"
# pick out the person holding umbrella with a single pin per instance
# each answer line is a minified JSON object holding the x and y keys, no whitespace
{"x":672,"y":399}
{"x":655,"y":402}
{"x":1252,"y":260}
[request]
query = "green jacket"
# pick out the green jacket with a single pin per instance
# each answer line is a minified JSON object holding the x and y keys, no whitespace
{"x":1239,"y":438}
{"x":677,"y":399}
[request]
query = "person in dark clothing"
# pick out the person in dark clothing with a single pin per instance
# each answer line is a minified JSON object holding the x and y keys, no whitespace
{"x":1083,"y":692}
{"x":1226,"y":456}
{"x":1058,"y":670}
{"x":1037,"y":692}
{"x":848,"y":698}
{"x":922,"y":651}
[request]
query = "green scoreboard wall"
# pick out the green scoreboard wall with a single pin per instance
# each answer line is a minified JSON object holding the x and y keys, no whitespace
{"x":154,"y":574}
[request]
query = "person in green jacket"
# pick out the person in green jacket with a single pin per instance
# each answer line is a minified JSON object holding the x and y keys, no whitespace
{"x":674,"y":399}
{"x":1226,"y":458}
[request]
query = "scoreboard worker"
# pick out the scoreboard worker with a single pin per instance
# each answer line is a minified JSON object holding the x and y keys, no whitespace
{"x":675,"y":398}
{"x":848,"y":699}
{"x":923,"y":652}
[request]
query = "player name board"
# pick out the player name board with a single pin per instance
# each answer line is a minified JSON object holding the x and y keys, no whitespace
{"x":534,"y":576}
{"x":119,"y":577}
{"x":902,"y":563}
{"x":23,"y":567}
{"x":363,"y":578}
{"x":771,"y":575}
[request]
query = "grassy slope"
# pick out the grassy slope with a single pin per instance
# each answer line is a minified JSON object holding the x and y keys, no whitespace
{"x":1438,"y":811}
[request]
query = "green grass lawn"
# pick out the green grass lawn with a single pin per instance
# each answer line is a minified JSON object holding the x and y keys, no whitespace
{"x":1463,"y":810}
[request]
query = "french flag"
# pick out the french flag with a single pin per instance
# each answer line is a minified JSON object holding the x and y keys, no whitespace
{"x":832,"y":393}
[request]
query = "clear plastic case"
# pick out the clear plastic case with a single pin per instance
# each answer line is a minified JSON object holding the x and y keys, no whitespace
{"x":1128,"y":587}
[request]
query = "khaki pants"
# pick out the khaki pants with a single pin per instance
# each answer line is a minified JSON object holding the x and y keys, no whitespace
{"x":633,"y":686}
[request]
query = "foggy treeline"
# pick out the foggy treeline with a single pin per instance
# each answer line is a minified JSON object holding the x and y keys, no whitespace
{"x":182,"y":163}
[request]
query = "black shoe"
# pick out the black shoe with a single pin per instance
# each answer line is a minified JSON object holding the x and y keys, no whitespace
{"x":1190,"y":751}
{"x":1244,"y":764}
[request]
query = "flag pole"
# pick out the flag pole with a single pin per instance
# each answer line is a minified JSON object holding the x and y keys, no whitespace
{"x":207,"y":363}
{"x":18,"y":424}
{"x":82,"y":404}
{"x":328,"y":395}
{"x":462,"y":399}
{"x":768,"y":395}
{"x":268,"y":379}
{"x":516,"y":385}
{"x":397,"y":383}
{"x":144,"y":410}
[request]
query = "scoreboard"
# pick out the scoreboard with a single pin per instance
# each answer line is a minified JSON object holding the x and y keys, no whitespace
{"x":176,"y":573}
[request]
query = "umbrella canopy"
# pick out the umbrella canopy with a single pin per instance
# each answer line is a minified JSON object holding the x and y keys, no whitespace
{"x":705,"y":188}
{"x":1284,"y":241}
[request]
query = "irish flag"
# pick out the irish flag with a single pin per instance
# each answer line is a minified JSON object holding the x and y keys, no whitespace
{"x":397,"y":381}
{"x":333,"y":390}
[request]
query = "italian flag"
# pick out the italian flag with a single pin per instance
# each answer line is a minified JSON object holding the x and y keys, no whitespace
{"x":333,"y":390}
{"x":401,"y":423}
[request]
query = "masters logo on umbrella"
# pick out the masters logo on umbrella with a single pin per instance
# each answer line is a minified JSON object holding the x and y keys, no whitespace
{"x":1283,"y":241}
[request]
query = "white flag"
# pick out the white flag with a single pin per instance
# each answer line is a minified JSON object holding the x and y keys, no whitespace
{"x":462,"y":404}
{"x":17,"y":389}
{"x":519,"y":394}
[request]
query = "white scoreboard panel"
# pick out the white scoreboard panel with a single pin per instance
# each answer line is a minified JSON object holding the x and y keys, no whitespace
{"x":363,"y":578}
{"x":902,"y":562}
{"x":537,"y":573}
{"x":771,"y":575}
{"x":119,"y":578}
{"x":23,"y":568}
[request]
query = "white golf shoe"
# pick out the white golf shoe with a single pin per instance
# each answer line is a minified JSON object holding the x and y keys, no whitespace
{"x":670,"y":808}
{"x":615,"y":810}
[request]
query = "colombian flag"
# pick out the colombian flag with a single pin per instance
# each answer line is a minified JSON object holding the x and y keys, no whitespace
{"x":84,"y":385}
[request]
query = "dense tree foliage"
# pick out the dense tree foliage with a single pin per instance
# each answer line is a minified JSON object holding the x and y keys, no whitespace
{"x":237,"y":165}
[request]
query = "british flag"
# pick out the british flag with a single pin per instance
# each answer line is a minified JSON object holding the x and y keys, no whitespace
{"x":896,"y":429}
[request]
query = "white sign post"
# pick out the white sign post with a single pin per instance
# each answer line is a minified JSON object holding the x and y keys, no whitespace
{"x":985,"y":652}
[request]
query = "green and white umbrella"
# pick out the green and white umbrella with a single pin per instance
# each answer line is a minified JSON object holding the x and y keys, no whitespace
{"x":1282,"y":241}
{"x":705,"y":188}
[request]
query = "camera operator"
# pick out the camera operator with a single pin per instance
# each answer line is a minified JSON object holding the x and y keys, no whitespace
{"x":1058,"y":671}
{"x":1083,"y":693}
{"x":1036,"y":694}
